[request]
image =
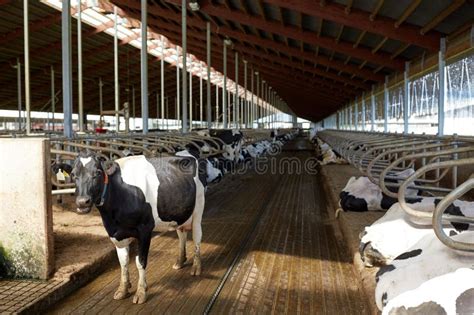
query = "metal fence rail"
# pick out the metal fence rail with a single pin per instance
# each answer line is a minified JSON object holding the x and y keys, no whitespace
{"x":435,"y":162}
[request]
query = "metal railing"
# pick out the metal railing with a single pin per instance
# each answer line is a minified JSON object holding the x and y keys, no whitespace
{"x":435,"y":162}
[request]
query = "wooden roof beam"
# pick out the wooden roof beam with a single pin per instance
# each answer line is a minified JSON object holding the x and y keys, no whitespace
{"x":442,"y":15}
{"x":305,"y":36}
{"x":348,"y":6}
{"x":361,"y":20}
{"x":408,"y":11}
{"x":376,"y":10}
{"x":253,"y":39}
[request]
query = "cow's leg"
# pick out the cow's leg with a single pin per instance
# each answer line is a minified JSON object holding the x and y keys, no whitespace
{"x":144,"y":240}
{"x":182,"y":235}
{"x":197,"y":230}
{"x":122,"y":248}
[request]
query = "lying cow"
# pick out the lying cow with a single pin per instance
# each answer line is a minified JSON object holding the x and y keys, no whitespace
{"x":360,"y":194}
{"x":326,"y":155}
{"x":427,"y":259}
{"x":136,"y":195}
{"x":452,"y":293}
{"x":394,"y":233}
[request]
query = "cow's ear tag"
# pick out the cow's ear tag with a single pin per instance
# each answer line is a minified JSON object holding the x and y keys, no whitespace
{"x":60,"y":176}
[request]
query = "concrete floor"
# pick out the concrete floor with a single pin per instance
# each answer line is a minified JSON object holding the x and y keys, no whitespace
{"x":294,"y":260}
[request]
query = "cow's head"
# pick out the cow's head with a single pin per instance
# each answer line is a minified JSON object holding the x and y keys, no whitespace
{"x":90,"y":178}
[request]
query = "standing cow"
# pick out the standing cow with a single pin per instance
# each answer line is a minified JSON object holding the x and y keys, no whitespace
{"x":136,"y":195}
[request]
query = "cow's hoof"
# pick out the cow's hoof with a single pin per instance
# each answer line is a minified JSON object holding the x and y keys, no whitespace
{"x":140,"y":296}
{"x":122,"y":292}
{"x":179,"y":264}
{"x":196,"y":269}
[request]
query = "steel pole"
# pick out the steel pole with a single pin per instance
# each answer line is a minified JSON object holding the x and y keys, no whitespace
{"x":442,"y":85}
{"x":224,"y":92}
{"x":200,"y":99}
{"x":116,"y":72}
{"x":79,"y":67}
{"x":53,"y":95}
{"x":190,"y":101}
{"x":252,"y":105}
{"x":18,"y":73}
{"x":162,"y":79}
{"x":246,"y":111}
{"x":67,"y":66}
{"x":184,"y":78}
{"x":144,"y":66}
{"x":406,"y":97}
{"x":133,"y":107}
{"x":372,"y":116}
{"x":236,"y":112}
{"x":27,"y":66}
{"x":208,"y":107}
{"x":217,"y":106}
{"x":257,"y":109}
{"x":385,"y":105}
{"x":178,"y":96}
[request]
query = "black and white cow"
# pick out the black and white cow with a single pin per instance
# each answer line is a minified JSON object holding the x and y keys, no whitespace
{"x":136,"y":195}
{"x":326,"y":155}
{"x":360,"y":194}
{"x":427,"y":259}
{"x":394,"y":233}
{"x":452,"y":293}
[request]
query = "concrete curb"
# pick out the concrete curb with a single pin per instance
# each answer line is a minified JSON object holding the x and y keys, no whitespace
{"x":365,"y":275}
{"x":76,"y":279}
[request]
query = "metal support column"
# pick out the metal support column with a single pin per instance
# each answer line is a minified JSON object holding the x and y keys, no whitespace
{"x":162,"y":82}
{"x":200,"y":100}
{"x":27,"y":66}
{"x":53,"y":95}
{"x":217,"y":106}
{"x":116,"y":72}
{"x":372,"y":112}
{"x":356,"y":114}
{"x":190,"y":101}
{"x":178,"y":96}
{"x":80,"y":100}
{"x":406,"y":96}
{"x":208,"y":107}
{"x":101,"y":101}
{"x":442,"y":85}
{"x":184,"y":100}
{"x":67,"y":66}
{"x":236,"y":111}
{"x":18,"y":73}
{"x":385,"y":105}
{"x":133,"y":107}
{"x":224,"y":92}
{"x":246,"y":103}
{"x":363,"y":111}
{"x":252,"y":105}
{"x":258,"y":100}
{"x":144,"y":66}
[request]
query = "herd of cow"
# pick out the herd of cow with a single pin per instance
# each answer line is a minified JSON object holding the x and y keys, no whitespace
{"x":418,"y":274}
{"x":136,"y":195}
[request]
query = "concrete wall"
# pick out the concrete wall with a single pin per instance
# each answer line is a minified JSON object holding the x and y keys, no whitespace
{"x":26,"y":223}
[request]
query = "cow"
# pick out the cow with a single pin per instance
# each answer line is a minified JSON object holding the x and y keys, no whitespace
{"x":137,"y":195}
{"x":327,"y":155}
{"x":452,"y":293}
{"x":360,"y":194}
{"x":427,"y":259}
{"x":394,"y":233}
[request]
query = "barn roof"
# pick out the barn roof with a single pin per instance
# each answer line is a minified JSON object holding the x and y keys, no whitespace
{"x":317,"y":55}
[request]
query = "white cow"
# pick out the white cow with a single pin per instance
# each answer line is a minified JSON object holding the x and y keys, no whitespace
{"x":427,"y":259}
{"x":394,"y":233}
{"x":450,"y":294}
